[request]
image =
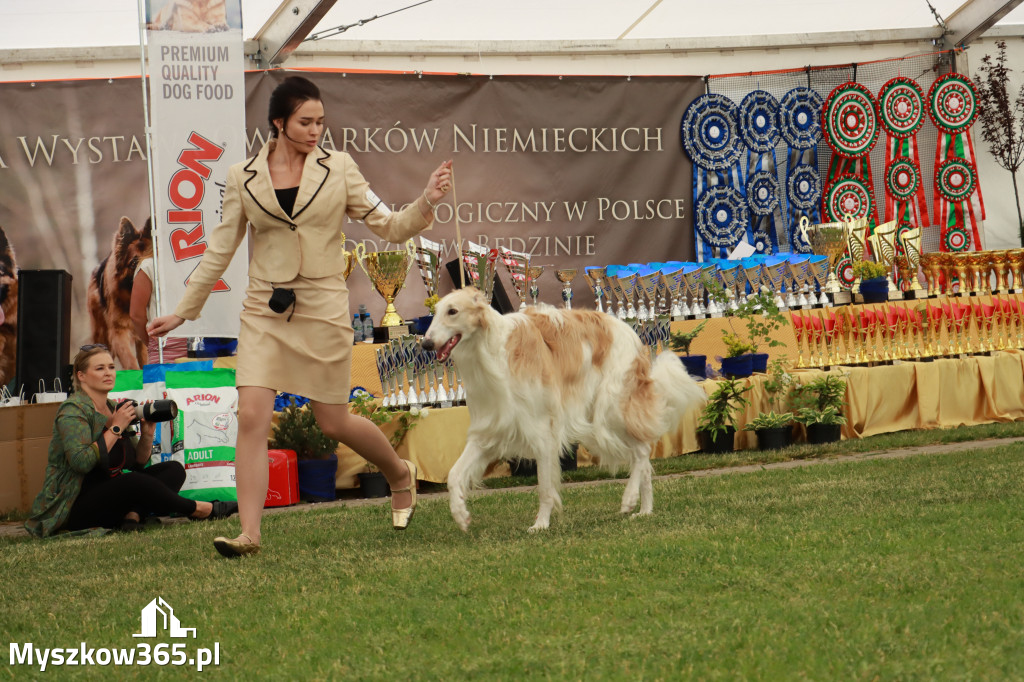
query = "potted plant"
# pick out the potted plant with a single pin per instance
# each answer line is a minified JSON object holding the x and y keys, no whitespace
{"x":717,"y":426}
{"x":737,"y":361}
{"x":296,"y":429}
{"x":422,"y":324}
{"x":680,"y":343}
{"x":818,"y":405}
{"x":372,"y":482}
{"x":773,"y":427}
{"x":873,"y":284}
{"x":760,"y":316}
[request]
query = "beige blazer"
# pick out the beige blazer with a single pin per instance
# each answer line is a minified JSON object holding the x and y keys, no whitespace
{"x":309,"y":242}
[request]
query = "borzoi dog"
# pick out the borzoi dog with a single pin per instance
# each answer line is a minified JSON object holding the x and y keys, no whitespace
{"x":540,"y":380}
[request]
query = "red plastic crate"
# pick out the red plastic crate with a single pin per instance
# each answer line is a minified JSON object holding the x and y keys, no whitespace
{"x":283,"y":486}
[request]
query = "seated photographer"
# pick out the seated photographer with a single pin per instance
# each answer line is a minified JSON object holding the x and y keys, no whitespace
{"x":93,"y":442}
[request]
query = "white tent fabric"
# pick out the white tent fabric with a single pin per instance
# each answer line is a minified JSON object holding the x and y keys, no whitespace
{"x":70,"y":23}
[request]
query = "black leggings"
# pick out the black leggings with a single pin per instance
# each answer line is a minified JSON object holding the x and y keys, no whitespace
{"x":150,"y":491}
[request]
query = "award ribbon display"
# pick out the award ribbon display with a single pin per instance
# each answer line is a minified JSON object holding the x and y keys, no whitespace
{"x":710,"y":135}
{"x":850,"y":123}
{"x":759,"y":129}
{"x":901,"y":108}
{"x":952,"y":106}
{"x":800,"y":125}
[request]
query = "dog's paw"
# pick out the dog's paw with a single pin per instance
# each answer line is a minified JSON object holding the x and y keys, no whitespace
{"x":640,"y":513}
{"x":627,"y":508}
{"x":538,"y":526}
{"x":462,"y":519}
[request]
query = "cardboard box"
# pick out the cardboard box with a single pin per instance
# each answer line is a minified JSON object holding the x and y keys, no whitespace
{"x":25,"y":433}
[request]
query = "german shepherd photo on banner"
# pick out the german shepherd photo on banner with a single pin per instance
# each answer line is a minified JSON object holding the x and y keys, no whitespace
{"x":8,"y":310}
{"x":110,"y":294}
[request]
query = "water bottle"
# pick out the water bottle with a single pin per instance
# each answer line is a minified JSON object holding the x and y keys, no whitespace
{"x":367,"y":324}
{"x":357,"y":327}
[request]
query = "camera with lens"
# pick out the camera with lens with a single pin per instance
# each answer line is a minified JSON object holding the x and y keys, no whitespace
{"x":155,"y":411}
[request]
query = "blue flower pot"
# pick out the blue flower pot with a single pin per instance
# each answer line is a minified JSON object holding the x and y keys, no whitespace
{"x":316,"y":478}
{"x":739,"y":366}
{"x":759,"y":362}
{"x":875,"y":290}
{"x":697,"y":365}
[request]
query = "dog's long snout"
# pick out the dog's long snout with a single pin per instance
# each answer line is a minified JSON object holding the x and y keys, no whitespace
{"x":427,"y":343}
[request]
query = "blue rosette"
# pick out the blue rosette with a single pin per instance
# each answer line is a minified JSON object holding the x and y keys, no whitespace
{"x":803,"y":188}
{"x":763,"y":193}
{"x":710,"y":134}
{"x":800,"y":118}
{"x":759,"y":122}
{"x":721,"y":217}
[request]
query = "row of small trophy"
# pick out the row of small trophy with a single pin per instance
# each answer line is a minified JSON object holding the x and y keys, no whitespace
{"x":889,"y":332}
{"x":974,"y":273}
{"x":413,"y":377}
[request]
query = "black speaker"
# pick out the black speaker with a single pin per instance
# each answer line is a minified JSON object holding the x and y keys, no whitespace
{"x":44,"y":329}
{"x":499,"y":299}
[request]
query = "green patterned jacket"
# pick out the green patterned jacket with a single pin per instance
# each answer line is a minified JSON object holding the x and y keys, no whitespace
{"x":76,"y":447}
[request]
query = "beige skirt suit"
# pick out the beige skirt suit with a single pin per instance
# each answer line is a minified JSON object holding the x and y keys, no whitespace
{"x":310,"y":354}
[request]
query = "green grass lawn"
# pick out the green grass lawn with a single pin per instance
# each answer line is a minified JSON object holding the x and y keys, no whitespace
{"x":888,"y":569}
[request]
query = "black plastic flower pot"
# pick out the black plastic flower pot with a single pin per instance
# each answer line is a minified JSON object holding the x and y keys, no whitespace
{"x":775,"y":438}
{"x":823,"y":433}
{"x":721,"y":442}
{"x":373,"y":484}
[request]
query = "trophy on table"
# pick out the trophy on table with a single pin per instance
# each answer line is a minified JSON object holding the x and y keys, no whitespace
{"x":648,"y":283}
{"x":727,"y":274}
{"x":1015,"y":258}
{"x":856,"y":240}
{"x":566,"y":276}
{"x":911,"y":242}
{"x":624,"y":285}
{"x":428,"y":257}
{"x":931,"y":264}
{"x":595,"y":280}
{"x":673,"y":281}
{"x":534,"y":272}
{"x":999,"y":262}
{"x":691,"y":282}
{"x":752,"y":273}
{"x":819,"y":270}
{"x":481,"y":264}
{"x":710,"y":276}
{"x":518,"y":265}
{"x":772,"y":275}
{"x":798,"y":271}
{"x":883,"y":243}
{"x":830,"y":240}
{"x":348,"y":258}
{"x":387,"y":271}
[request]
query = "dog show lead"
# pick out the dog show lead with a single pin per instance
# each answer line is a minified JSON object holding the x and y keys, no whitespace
{"x":295,"y":195}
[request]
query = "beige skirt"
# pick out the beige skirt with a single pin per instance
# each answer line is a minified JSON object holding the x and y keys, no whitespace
{"x":310,"y":355}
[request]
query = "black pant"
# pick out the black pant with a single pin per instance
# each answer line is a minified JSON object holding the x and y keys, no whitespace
{"x":151,"y":491}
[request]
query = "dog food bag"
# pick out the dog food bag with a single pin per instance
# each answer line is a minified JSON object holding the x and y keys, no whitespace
{"x":205,"y":431}
{"x":155,"y":388}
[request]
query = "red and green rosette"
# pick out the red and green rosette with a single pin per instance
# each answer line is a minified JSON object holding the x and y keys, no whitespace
{"x":849,"y":195}
{"x":901,"y":107}
{"x":959,"y":206}
{"x":851,"y":126}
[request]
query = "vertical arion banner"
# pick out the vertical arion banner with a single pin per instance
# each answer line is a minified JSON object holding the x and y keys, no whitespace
{"x":197,"y":115}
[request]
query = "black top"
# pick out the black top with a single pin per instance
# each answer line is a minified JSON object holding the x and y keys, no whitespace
{"x":107,"y":468}
{"x":286,"y":198}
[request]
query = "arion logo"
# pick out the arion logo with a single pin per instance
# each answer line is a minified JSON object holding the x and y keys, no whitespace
{"x":157,"y":614}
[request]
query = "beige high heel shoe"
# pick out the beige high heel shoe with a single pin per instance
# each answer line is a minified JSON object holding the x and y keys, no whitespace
{"x":400,"y":517}
{"x":235,"y":548}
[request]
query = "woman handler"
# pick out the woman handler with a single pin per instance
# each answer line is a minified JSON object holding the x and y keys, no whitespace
{"x":295,"y":195}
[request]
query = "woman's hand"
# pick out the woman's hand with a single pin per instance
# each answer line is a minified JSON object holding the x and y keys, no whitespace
{"x":439,"y":183}
{"x":123,"y":415}
{"x":147,"y":429}
{"x":163,"y":324}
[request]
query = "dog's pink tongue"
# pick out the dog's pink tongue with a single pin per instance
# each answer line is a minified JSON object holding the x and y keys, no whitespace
{"x":446,"y":350}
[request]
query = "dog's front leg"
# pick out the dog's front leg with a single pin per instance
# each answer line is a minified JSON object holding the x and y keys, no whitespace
{"x":549,"y":478}
{"x":468,"y":469}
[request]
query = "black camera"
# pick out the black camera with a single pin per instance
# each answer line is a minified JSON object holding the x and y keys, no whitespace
{"x":156,"y":411}
{"x":282,"y":299}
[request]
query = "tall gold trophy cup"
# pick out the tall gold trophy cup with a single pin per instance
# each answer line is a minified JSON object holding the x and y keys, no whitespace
{"x":911,"y":242}
{"x":387,"y":271}
{"x":830,"y":239}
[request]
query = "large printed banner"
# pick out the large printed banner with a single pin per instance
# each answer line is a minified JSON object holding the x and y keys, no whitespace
{"x":576,"y":171}
{"x":197,"y":113}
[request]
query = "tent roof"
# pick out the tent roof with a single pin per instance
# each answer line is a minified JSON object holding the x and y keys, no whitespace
{"x":102,"y":23}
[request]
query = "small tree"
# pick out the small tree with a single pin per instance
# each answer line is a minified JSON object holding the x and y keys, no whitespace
{"x":1002,"y":121}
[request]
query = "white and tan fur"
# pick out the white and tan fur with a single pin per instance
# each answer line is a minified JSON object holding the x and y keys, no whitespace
{"x":540,"y":380}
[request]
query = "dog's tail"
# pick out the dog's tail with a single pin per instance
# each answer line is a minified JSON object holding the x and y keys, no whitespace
{"x":677,"y":388}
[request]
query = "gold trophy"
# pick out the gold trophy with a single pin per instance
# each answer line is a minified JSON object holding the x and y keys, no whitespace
{"x":977,"y":266}
{"x":960,"y":263}
{"x":910,"y":240}
{"x":1016,"y":261}
{"x":348,"y":258}
{"x":566,"y":276}
{"x":883,"y":243}
{"x":388,"y":270}
{"x":1000,"y":264}
{"x":856,"y":236}
{"x":931,"y":263}
{"x":830,"y":239}
{"x":535,"y":272}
